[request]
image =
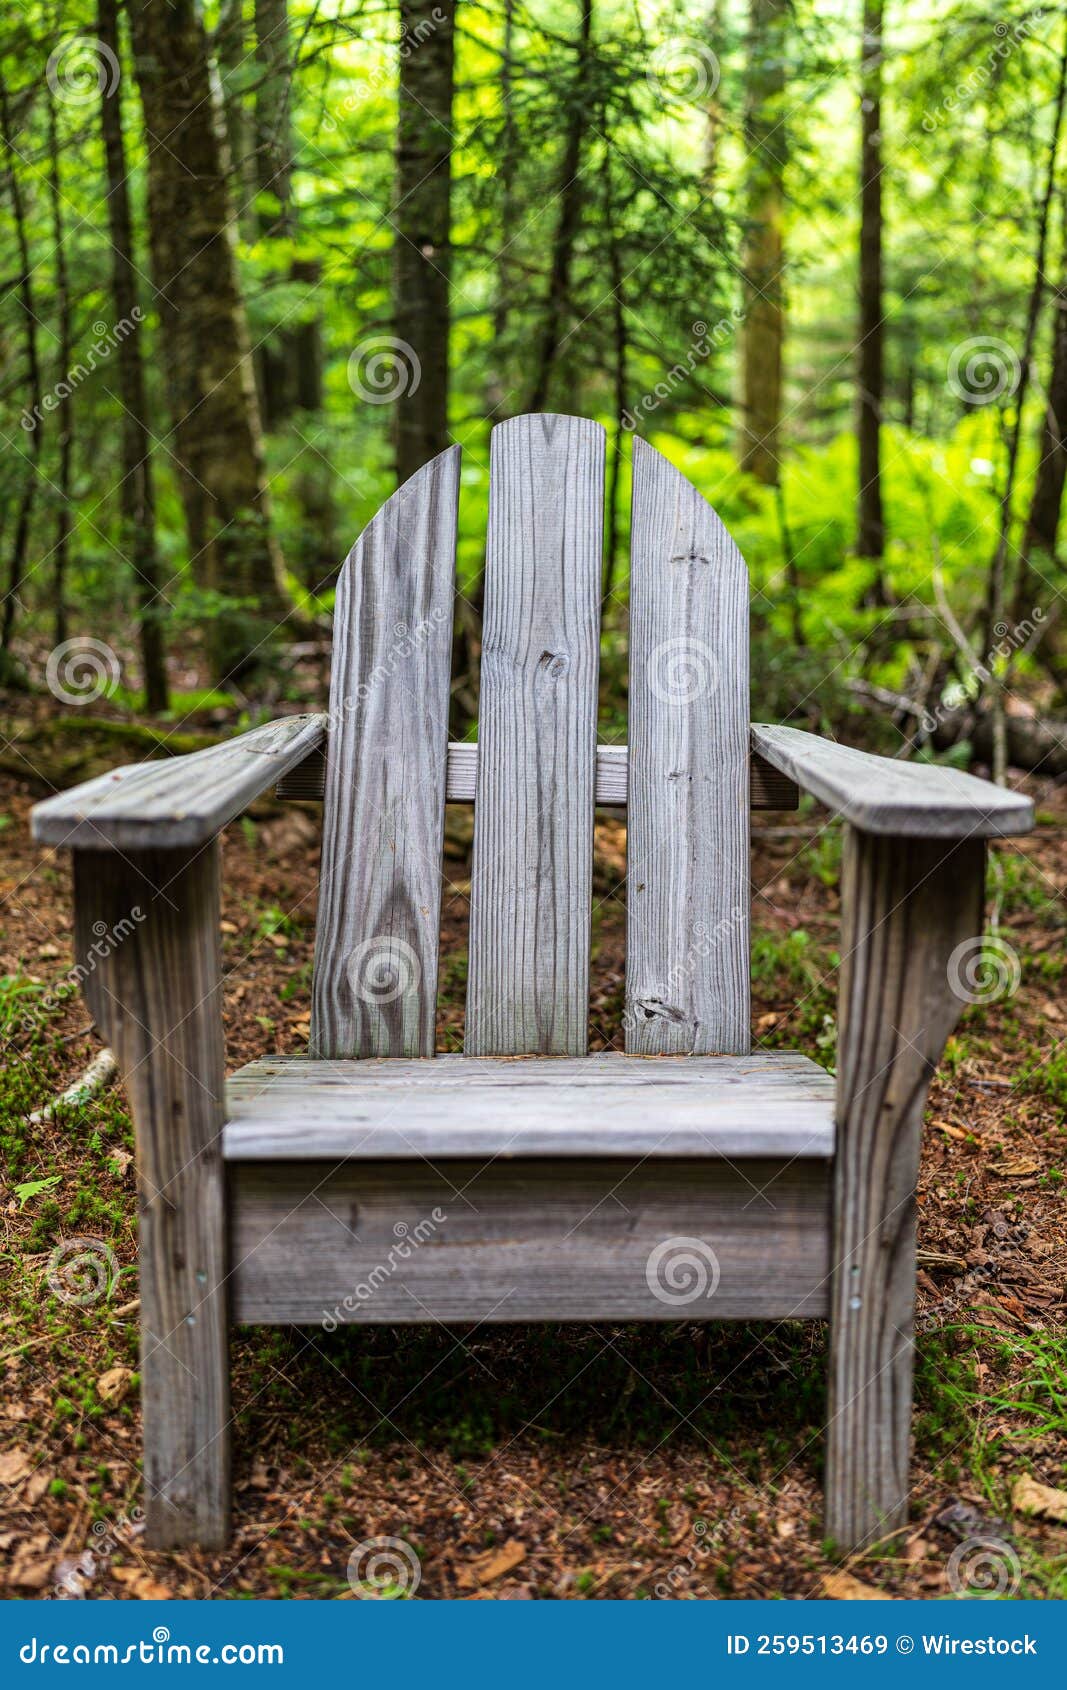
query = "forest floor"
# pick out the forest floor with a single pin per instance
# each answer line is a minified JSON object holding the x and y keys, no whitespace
{"x":577,"y":1462}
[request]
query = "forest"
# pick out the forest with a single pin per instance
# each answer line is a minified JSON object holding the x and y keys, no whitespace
{"x":264,"y":260}
{"x":260,"y":261}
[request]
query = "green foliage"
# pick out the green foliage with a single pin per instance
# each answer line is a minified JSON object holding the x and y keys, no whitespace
{"x":658,"y":247}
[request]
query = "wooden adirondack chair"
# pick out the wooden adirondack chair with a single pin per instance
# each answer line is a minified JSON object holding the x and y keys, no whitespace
{"x":366,"y":1183}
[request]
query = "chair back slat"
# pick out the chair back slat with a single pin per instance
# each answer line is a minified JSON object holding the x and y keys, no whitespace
{"x":376,"y":948}
{"x":531,"y":887}
{"x":688,"y":889}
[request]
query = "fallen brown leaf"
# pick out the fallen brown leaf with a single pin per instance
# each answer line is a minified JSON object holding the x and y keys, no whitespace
{"x":35,"y":1486}
{"x":1015,"y":1167}
{"x":141,"y":1584}
{"x":842,"y":1587}
{"x":1031,"y":1497}
{"x":493,"y":1565}
{"x":14,"y":1466}
{"x":114,"y":1385}
{"x":30,"y":1575}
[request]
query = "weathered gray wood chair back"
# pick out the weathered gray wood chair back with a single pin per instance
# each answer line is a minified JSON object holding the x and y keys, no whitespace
{"x":538,"y":771}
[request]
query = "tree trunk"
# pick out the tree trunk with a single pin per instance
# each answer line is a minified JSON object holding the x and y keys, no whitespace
{"x":64,"y":410}
{"x":24,"y":514}
{"x":290,"y":360}
{"x":764,"y":324}
{"x":202,"y":319}
{"x":422,"y":231}
{"x":230,"y":42}
{"x":570,"y":216}
{"x":1043,"y":520}
{"x":497,"y":387}
{"x":714,"y":128}
{"x":995,"y":595}
{"x":870,"y":528}
{"x":136,"y":496}
{"x":620,"y":348}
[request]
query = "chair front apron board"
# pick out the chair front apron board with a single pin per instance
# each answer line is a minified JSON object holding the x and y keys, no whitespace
{"x":525,"y":1179}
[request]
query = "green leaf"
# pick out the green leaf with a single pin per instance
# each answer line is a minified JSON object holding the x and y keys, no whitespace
{"x":34,"y":1188}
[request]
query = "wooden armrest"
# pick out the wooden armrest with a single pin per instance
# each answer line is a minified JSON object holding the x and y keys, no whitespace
{"x":182,"y":802}
{"x":881,"y":795}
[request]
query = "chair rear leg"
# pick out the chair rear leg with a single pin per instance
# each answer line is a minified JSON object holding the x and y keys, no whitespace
{"x":147,"y":932}
{"x":907,"y":904}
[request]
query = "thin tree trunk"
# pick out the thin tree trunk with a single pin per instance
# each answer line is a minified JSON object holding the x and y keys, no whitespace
{"x":497,"y":386}
{"x":421,"y":219}
{"x":713,"y":132}
{"x":619,"y":351}
{"x":64,"y":408}
{"x":870,"y":527}
{"x":764,"y":324}
{"x":571,"y":196}
{"x":995,"y":598}
{"x":205,"y":335}
{"x":230,"y":43}
{"x":290,"y":360}
{"x":1043,"y":520}
{"x":136,"y":494}
{"x":20,"y":542}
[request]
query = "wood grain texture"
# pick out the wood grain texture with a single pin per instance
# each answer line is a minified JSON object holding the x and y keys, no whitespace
{"x":376,"y":941}
{"x":181,"y":801}
{"x":396,"y":1243}
{"x":907,"y":904}
{"x":883,"y":795}
{"x":532,"y":876}
{"x":147,"y":934}
{"x":768,"y":788}
{"x":772,"y":1104}
{"x":687,"y":866}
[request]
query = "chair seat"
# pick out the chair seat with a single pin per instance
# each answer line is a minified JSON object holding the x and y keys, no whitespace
{"x":774,"y":1104}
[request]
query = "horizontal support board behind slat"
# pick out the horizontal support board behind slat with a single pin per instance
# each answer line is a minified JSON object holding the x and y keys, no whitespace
{"x":393,"y":1243}
{"x":768,"y":789}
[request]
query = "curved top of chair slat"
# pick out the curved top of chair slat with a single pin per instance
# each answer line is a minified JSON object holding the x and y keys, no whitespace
{"x":380,"y":883}
{"x":687,"y":971}
{"x":531,"y":886}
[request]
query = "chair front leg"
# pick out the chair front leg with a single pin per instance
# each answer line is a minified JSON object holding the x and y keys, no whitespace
{"x":147,"y":940}
{"x":907,"y":904}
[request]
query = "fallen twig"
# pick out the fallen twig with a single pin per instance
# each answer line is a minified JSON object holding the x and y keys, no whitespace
{"x":100,"y":1072}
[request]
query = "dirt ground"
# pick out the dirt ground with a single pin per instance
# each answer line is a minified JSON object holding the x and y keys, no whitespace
{"x":576,"y":1462}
